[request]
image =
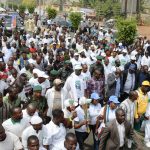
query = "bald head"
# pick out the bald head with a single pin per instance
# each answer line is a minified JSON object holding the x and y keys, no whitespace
{"x":133,"y":95}
{"x":31,"y":109}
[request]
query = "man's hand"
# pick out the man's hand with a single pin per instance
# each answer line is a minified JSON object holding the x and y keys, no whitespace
{"x":74,"y":115}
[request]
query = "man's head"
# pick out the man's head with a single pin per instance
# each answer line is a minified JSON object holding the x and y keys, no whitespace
{"x":17,"y":114}
{"x":106,"y":61}
{"x":14,"y":73}
{"x":117,"y":63}
{"x":23,"y":78}
{"x":99,"y":59}
{"x":13,"y":92}
{"x":76,"y":56}
{"x":120,"y":115}
{"x":38,"y":59}
{"x":2,"y":133}
{"x":97,"y":74}
{"x":145,"y":86}
{"x":145,"y":69}
{"x":58,"y":116}
{"x":133,"y":95}
{"x":84,"y":68}
{"x":58,"y":84}
{"x":78,"y":70}
{"x":118,"y":72}
{"x":33,"y":143}
{"x":36,"y":122}
{"x":10,"y":65}
{"x":31,"y":109}
{"x":70,"y":141}
{"x":37,"y":90}
{"x":132,"y":68}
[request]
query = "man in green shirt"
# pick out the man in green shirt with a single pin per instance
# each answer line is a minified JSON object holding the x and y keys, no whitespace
{"x":12,"y":99}
{"x":39,"y":101}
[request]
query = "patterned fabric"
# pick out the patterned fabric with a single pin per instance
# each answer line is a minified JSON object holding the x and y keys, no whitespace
{"x":41,"y":104}
{"x":4,"y":113}
{"x":95,"y":85}
{"x":57,"y":100}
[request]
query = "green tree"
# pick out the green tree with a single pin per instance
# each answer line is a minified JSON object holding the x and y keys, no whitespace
{"x":15,"y":6}
{"x":126,"y":31}
{"x":10,"y":5}
{"x":75,"y":18}
{"x":106,"y":8}
{"x":29,"y":3}
{"x":2,"y":5}
{"x":31,"y":9}
{"x":22,"y":9}
{"x":51,"y":13}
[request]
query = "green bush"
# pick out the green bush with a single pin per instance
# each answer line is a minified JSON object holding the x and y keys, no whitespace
{"x":22,"y":8}
{"x":31,"y":9}
{"x":75,"y":19}
{"x":2,"y":5}
{"x":51,"y":13}
{"x":126,"y":31}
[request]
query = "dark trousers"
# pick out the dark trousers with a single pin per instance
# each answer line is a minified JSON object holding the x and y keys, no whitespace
{"x":96,"y":142}
{"x":81,"y":137}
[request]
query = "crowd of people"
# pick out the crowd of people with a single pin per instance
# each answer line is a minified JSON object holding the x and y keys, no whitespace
{"x":56,"y":87}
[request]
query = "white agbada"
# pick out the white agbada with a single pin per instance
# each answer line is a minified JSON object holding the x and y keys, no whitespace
{"x":11,"y":142}
{"x":16,"y":128}
{"x":56,"y":135}
{"x":75,"y":86}
{"x":50,"y":99}
{"x":42,"y":136}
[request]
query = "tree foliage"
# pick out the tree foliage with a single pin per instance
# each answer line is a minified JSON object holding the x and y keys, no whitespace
{"x":29,"y":3}
{"x":10,"y":5}
{"x":75,"y":18}
{"x":15,"y":6}
{"x":51,"y":13}
{"x":31,"y":9}
{"x":2,"y":4}
{"x":22,"y":8}
{"x":106,"y":8}
{"x":126,"y":31}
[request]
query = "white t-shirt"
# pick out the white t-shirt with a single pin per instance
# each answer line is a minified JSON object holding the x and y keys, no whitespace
{"x":94,"y":111}
{"x":42,"y":136}
{"x":80,"y":117}
{"x":16,"y":128}
{"x":56,"y":135}
{"x":11,"y":142}
{"x":3,"y":86}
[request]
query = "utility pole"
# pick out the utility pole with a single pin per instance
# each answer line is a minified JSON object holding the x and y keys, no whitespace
{"x":138,"y":9}
{"x":61,"y":5}
{"x":125,"y":8}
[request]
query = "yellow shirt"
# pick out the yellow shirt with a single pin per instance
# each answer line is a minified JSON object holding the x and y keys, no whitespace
{"x":141,"y":104}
